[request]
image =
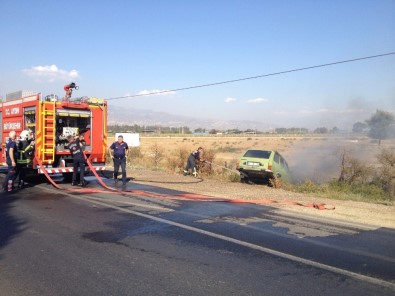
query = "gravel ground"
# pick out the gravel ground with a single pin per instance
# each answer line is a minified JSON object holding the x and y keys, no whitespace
{"x":377,"y":215}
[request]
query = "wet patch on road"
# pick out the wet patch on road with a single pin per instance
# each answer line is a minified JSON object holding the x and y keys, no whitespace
{"x":122,"y":230}
{"x":103,"y":237}
{"x":44,"y":196}
{"x":293,"y":227}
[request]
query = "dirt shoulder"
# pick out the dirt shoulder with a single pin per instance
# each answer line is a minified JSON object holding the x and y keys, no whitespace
{"x":350,"y":211}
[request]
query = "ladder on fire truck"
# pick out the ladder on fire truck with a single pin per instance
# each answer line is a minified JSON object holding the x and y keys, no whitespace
{"x":47,"y":113}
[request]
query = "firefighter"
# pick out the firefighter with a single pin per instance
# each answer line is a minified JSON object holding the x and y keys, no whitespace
{"x":11,"y":152}
{"x":121,"y":150}
{"x":191,"y":163}
{"x":69,"y":90}
{"x":78,"y":159}
{"x":25,"y":155}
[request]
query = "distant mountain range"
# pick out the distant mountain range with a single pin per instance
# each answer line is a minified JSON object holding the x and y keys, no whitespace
{"x":129,"y":116}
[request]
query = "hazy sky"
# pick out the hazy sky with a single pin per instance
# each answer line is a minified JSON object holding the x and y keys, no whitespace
{"x":117,"y":48}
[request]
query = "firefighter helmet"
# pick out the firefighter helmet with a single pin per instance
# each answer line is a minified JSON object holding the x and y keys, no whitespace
{"x":26,"y":135}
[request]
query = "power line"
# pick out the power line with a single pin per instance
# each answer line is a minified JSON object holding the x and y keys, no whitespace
{"x":255,"y":77}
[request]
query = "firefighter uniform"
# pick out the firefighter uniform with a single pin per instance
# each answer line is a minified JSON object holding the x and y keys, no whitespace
{"x":121,"y":150}
{"x":8,"y":184}
{"x":78,"y":160}
{"x":68,"y":88}
{"x":191,"y":163}
{"x":25,"y":155}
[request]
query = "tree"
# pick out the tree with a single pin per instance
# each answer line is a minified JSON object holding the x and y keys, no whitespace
{"x":281,"y":130}
{"x":321,"y":130}
{"x":213,"y":131}
{"x":381,"y":125}
{"x":185,"y":130}
{"x":359,"y":127}
{"x":199,"y":130}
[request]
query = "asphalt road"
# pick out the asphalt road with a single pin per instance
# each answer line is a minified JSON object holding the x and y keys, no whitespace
{"x":56,"y":242}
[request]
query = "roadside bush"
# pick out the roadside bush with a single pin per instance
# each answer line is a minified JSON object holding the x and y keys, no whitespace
{"x":387,"y":170}
{"x":136,"y":158}
{"x":221,"y":170}
{"x":172,"y":165}
{"x":357,"y":180}
{"x":234,"y":177}
{"x":230,"y":173}
{"x":353,"y":171}
{"x":156,"y":154}
{"x":368,"y":180}
{"x":364,"y":192}
{"x":206,"y":168}
{"x":177,"y":159}
{"x":308,"y":186}
{"x":135,"y":152}
{"x":339,"y":190}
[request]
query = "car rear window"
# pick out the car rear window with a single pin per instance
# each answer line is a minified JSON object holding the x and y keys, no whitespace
{"x":258,"y":154}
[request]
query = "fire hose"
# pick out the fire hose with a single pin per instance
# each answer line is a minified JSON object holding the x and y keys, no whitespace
{"x":96,"y":174}
{"x":221,"y":166}
{"x":43,"y":169}
{"x":182,"y":196}
{"x":226,"y":168}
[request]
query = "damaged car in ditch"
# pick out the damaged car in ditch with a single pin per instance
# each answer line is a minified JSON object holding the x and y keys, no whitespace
{"x":263,"y":166}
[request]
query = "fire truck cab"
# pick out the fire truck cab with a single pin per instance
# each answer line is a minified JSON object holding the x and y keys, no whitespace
{"x":51,"y":120}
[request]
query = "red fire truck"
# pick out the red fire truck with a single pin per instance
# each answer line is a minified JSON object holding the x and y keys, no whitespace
{"x":51,"y":120}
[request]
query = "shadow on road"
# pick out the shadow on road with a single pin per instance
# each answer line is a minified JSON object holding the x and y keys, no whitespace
{"x":10,"y":227}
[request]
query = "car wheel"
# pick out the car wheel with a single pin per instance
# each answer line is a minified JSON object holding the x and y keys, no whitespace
{"x":244,"y":179}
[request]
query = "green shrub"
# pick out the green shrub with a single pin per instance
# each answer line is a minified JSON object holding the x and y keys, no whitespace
{"x":370,"y":192}
{"x":309,"y":186}
{"x":364,"y":192}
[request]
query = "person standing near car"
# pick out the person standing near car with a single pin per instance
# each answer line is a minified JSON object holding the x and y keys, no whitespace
{"x":191,"y":163}
{"x":11,"y":152}
{"x":121,"y":151}
{"x":78,"y":159}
